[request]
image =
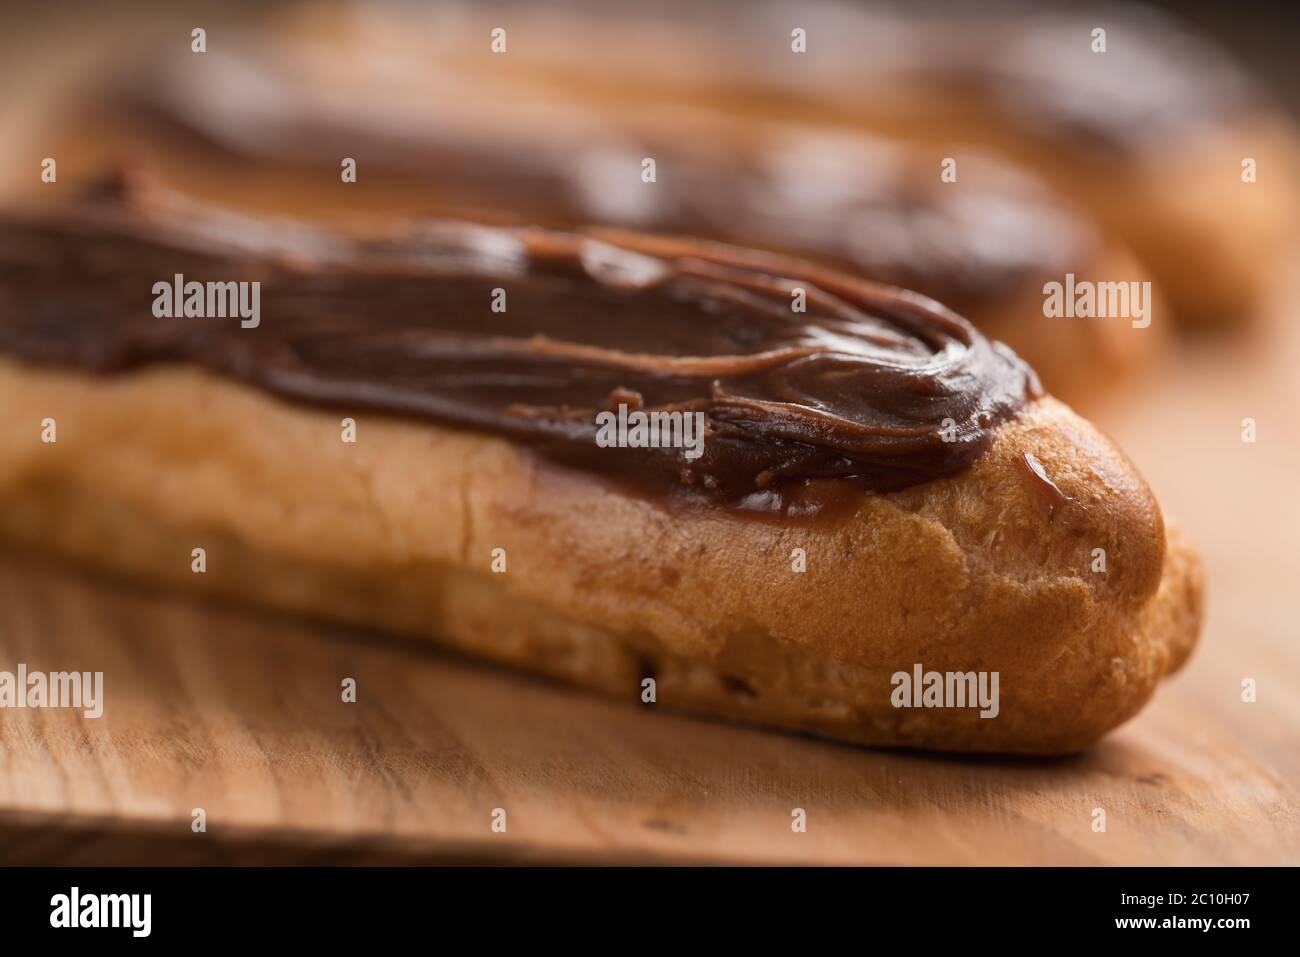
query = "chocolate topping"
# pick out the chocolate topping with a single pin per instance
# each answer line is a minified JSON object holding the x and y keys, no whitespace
{"x":872,"y":384}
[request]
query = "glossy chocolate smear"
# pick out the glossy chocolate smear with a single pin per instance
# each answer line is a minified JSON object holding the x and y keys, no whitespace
{"x":870,"y":384}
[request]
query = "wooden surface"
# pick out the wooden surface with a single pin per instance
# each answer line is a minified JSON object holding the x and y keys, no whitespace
{"x":240,"y":714}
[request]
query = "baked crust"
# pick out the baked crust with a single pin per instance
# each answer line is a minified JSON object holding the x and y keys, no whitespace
{"x":986,"y":571}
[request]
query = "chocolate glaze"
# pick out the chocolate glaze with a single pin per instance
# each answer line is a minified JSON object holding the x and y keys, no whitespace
{"x":860,"y":387}
{"x":1074,"y":514}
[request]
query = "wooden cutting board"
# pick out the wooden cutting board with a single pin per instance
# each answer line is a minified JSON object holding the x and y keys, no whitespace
{"x":240,"y":714}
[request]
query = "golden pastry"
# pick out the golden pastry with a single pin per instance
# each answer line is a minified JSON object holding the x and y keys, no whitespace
{"x":723,"y":480}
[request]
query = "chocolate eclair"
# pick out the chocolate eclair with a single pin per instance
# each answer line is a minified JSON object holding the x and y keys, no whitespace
{"x":1152,"y":127}
{"x":267,"y":119}
{"x":837,"y":488}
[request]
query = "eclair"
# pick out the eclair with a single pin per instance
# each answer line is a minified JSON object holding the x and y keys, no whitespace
{"x":688,"y":475}
{"x":270,"y":120}
{"x":1162,"y":136}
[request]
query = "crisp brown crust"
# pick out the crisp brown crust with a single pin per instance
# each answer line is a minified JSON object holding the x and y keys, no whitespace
{"x":989,"y":570}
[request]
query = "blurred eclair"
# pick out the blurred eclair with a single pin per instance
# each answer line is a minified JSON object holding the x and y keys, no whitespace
{"x":1164,"y":138}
